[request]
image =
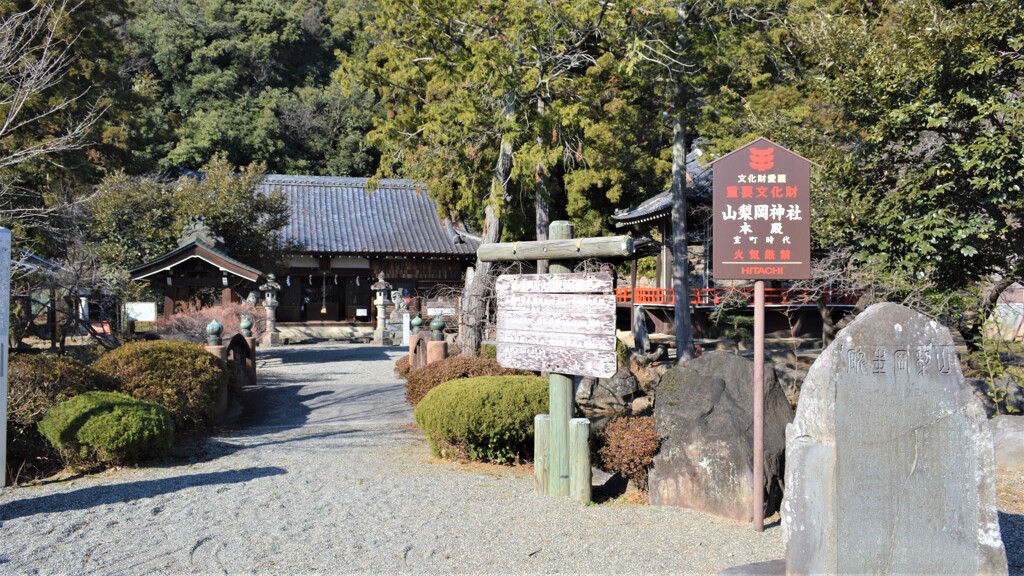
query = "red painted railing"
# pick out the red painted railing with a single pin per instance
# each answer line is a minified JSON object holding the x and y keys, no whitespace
{"x":716,"y":296}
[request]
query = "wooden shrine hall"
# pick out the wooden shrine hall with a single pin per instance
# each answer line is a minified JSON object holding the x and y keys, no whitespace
{"x":199,"y":272}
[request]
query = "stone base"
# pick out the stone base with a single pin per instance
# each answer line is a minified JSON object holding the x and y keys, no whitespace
{"x":300,"y":331}
{"x":436,"y":351}
{"x":769,"y":568}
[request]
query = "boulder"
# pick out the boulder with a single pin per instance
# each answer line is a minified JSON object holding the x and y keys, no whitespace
{"x":607,"y":394}
{"x":704,"y":411}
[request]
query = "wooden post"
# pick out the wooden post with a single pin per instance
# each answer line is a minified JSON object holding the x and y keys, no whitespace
{"x":560,"y":400}
{"x":579,"y":450}
{"x":540,"y":453}
{"x":759,"y":406}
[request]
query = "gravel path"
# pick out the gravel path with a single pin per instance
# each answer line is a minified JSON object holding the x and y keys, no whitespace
{"x":328,"y":475}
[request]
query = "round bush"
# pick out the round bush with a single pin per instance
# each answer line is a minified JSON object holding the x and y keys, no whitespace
{"x":421,"y":381}
{"x":36,"y":383}
{"x":629,"y":448}
{"x":182,"y":376}
{"x":109,"y":428}
{"x":488,"y":418}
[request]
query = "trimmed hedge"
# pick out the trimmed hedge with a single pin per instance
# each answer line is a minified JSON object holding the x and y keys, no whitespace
{"x":108,"y":428}
{"x":629,"y":448}
{"x":181,"y":376}
{"x":488,"y":418}
{"x":36,"y":383}
{"x":420,"y":382}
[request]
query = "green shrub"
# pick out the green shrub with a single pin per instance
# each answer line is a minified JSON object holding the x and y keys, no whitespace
{"x":489,"y":351}
{"x":630,"y":444}
{"x":36,"y":383}
{"x":425,"y":379}
{"x":108,"y":428}
{"x":488,"y":418}
{"x":403,"y":366}
{"x":181,"y":376}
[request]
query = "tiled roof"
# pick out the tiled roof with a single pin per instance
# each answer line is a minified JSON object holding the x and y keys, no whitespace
{"x":198,"y":248}
{"x":698,"y":188}
{"x":337,"y":215}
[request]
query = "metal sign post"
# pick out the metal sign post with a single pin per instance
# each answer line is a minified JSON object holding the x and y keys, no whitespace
{"x":5,"y":307}
{"x":762,"y":231}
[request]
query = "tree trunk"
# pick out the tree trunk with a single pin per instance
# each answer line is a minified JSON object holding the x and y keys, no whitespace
{"x":680,"y":251}
{"x":828,"y":329}
{"x":474,"y":308}
{"x":972,"y":326}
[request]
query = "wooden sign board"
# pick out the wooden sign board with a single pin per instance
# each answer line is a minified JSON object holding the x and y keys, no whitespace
{"x":762,"y":213}
{"x":561,"y":323}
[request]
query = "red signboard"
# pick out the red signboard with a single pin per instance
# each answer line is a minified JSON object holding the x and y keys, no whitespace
{"x":762,"y":205}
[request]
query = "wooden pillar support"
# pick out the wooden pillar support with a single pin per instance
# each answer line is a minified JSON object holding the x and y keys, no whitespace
{"x":560,"y":404}
{"x":562,"y":452}
{"x":540,"y":453}
{"x":579,"y":467}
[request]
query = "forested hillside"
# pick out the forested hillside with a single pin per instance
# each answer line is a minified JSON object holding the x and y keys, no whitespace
{"x":533,"y":110}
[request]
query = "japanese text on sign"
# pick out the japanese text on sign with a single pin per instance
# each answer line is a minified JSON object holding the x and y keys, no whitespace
{"x":761,"y":214}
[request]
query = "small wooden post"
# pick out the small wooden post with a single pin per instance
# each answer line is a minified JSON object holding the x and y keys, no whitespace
{"x":540,"y":453}
{"x":579,"y":451}
{"x":560,"y":397}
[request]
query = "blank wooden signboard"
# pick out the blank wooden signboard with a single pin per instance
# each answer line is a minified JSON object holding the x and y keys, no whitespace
{"x":561,"y":323}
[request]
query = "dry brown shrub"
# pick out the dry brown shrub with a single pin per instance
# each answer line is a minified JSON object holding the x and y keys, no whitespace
{"x":423,"y":380}
{"x":192,"y":320}
{"x":403,"y":366}
{"x":630,"y":446}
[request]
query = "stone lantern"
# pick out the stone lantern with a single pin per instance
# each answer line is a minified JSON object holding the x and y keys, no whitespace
{"x":270,"y":290}
{"x":381,"y":288}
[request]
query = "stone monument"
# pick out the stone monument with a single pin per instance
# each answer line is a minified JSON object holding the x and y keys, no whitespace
{"x":889,"y":462}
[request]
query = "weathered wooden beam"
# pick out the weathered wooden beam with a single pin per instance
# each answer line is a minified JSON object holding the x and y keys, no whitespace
{"x":558,"y":303}
{"x":554,"y":283}
{"x":599,"y":363}
{"x":539,"y":321}
{"x":579,"y":249}
{"x":569,"y":341}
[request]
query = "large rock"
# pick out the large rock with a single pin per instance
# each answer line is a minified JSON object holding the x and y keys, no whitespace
{"x":889,"y":462}
{"x":704,"y":410}
{"x":607,"y":395}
